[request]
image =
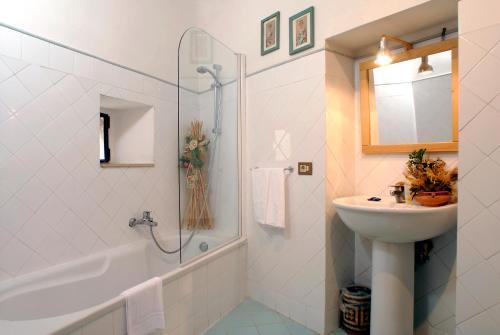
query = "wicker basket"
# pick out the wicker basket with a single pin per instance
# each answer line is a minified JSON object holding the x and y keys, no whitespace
{"x":355,"y":309}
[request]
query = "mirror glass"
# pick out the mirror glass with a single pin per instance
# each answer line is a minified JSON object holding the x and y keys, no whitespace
{"x":411,"y":101}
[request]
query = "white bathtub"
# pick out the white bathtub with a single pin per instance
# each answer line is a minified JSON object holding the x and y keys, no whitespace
{"x":50,"y":300}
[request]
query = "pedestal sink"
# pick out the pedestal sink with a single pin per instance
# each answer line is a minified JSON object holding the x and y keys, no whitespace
{"x":393,"y":228}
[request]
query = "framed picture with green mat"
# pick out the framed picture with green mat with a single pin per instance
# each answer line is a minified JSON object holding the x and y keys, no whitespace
{"x":301,"y":31}
{"x":270,"y":34}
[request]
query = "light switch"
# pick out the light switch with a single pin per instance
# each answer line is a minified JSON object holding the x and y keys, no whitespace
{"x":305,"y":168}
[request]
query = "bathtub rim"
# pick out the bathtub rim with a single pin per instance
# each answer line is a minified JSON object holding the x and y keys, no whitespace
{"x":118,"y":301}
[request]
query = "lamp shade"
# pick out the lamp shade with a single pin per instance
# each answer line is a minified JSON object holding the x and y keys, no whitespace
{"x":383,"y":54}
{"x":425,"y":67}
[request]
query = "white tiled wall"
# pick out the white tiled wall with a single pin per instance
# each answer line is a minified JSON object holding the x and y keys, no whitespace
{"x":286,"y":124}
{"x":193,"y":302}
{"x":434,"y":281}
{"x":351,"y":172}
{"x":339,"y":150}
{"x":298,"y":271}
{"x":56,"y":203}
{"x":478,"y":270}
{"x":294,"y":115}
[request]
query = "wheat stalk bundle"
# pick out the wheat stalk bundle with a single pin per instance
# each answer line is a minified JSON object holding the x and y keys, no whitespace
{"x":197,"y":213}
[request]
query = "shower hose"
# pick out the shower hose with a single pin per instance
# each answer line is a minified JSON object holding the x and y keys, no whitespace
{"x":169,"y":252}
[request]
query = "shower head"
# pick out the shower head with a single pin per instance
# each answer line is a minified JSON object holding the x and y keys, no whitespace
{"x":204,"y":69}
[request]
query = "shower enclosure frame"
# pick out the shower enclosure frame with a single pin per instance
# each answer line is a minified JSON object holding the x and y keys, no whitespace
{"x":242,"y":187}
{"x":241,"y":59}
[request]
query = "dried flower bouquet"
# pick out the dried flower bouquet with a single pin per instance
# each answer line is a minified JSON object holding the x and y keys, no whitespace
{"x":424,"y":174}
{"x":197,"y":214}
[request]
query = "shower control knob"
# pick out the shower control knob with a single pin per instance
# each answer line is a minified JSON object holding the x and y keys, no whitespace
{"x":146,"y":215}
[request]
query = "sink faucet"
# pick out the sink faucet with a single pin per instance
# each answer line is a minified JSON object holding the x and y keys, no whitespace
{"x":145,"y":220}
{"x":398,"y":193}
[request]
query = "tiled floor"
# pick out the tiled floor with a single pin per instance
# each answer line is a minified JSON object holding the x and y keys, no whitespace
{"x":253,"y":318}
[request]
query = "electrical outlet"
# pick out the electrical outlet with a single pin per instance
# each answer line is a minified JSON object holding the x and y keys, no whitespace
{"x":305,"y":168}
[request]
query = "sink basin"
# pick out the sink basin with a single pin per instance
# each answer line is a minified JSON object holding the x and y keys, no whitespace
{"x":393,"y":228}
{"x":389,"y":221}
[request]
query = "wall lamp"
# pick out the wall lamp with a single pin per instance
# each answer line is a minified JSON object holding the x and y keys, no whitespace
{"x":384,"y":54}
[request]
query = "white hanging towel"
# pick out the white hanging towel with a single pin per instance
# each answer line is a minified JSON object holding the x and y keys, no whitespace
{"x":144,"y":307}
{"x":268,"y":188}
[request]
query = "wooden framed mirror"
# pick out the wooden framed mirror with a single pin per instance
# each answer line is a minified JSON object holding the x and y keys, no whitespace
{"x":411,"y":103}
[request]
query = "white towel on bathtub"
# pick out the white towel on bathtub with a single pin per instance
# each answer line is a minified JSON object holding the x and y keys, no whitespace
{"x":144,"y":307}
{"x":268,"y":188}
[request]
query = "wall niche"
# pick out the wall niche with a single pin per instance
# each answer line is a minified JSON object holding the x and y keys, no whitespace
{"x":126,"y":135}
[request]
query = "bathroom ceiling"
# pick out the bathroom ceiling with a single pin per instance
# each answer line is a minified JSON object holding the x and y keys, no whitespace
{"x":415,"y":24}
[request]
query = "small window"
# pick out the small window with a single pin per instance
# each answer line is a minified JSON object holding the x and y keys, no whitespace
{"x":104,"y":153}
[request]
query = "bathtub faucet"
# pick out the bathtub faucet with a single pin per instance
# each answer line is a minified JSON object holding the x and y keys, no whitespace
{"x":145,"y":220}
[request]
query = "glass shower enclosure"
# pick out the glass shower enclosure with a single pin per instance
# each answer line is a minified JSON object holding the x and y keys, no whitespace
{"x":209,"y":117}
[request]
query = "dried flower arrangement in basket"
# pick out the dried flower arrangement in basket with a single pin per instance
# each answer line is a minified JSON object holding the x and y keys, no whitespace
{"x":431,"y":182}
{"x":194,"y":156}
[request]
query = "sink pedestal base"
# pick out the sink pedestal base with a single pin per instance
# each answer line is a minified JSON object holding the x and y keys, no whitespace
{"x":392,"y":288}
